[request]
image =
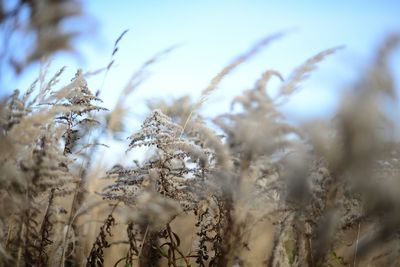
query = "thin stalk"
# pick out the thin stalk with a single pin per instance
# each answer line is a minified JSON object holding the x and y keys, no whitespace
{"x":356,"y":248}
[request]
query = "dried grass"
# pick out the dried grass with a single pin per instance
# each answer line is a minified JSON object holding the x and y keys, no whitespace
{"x":254,"y":190}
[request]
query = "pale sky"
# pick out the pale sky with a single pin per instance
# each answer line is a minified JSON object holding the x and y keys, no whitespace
{"x":212,"y":33}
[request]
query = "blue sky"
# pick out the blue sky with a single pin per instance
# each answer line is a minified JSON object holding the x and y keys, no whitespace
{"x":212,"y":33}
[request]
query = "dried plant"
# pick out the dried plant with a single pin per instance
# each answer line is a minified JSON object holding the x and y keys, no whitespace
{"x":43,"y":25}
{"x":245,"y":188}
